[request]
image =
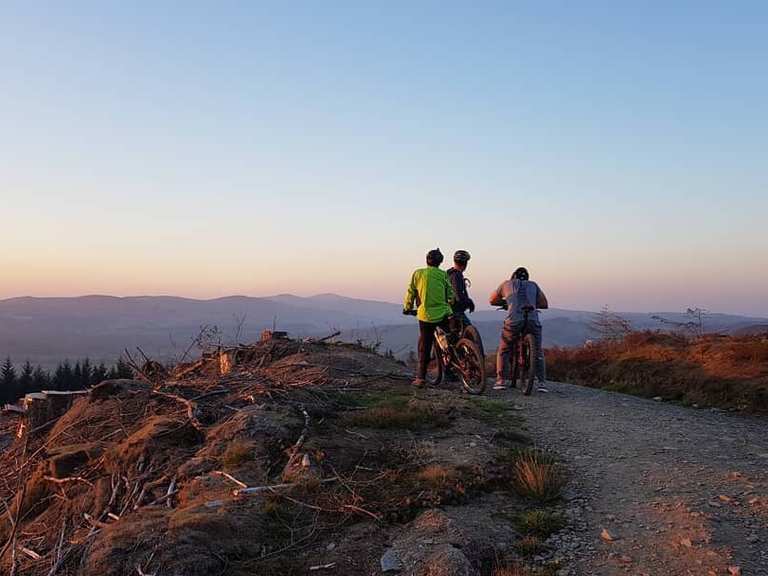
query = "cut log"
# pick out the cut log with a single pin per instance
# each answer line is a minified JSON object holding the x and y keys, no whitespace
{"x":268,"y":335}
{"x":44,"y":408}
{"x":227,"y":361}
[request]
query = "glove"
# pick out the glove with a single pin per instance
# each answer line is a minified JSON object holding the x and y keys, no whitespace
{"x":471,"y":306}
{"x":409,"y":312}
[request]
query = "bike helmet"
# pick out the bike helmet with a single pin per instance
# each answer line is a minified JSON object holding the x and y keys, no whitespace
{"x":461,"y":257}
{"x":434,"y":257}
{"x":521,"y":274}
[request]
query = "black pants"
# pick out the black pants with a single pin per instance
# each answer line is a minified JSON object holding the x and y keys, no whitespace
{"x":427,"y":340}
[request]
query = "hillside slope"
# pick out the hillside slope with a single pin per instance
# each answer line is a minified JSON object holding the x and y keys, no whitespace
{"x":301,"y":457}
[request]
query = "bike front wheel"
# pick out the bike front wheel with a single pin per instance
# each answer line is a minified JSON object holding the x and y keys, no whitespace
{"x":470,"y":365}
{"x":472,"y":333}
{"x":435,"y":368}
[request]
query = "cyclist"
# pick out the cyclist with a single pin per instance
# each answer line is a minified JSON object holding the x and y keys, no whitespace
{"x":430,"y":290}
{"x":518,"y":295}
{"x":463,"y":302}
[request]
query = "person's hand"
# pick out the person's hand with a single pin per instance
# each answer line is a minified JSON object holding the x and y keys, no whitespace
{"x":471,"y":306}
{"x":407,"y":312}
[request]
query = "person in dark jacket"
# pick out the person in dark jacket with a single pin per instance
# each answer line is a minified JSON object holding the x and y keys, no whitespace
{"x":463,"y":302}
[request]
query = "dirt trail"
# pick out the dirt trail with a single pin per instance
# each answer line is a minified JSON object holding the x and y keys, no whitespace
{"x":680,"y":490}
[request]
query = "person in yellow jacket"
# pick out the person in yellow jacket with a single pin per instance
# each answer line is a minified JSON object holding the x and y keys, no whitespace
{"x":430,"y":290}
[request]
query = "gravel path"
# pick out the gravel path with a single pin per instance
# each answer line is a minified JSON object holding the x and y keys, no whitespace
{"x":677,"y":490}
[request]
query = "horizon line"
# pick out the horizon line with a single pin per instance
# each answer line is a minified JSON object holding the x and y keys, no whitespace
{"x":281,"y":294}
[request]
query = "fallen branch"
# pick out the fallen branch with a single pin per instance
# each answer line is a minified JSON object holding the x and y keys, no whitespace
{"x":330,"y":336}
{"x":260,"y":489}
{"x":188,"y":403}
{"x":230,"y":477}
{"x":162,"y":498}
{"x":68,"y":480}
{"x":362,"y":511}
{"x":171,"y":491}
{"x":322,"y":567}
{"x":304,"y":433}
{"x":208,"y":394}
{"x":31,"y":553}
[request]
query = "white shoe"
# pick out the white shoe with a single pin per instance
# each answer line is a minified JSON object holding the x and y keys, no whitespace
{"x":502,"y":384}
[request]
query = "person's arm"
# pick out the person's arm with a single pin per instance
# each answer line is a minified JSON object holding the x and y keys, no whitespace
{"x":496,"y":298}
{"x":410,"y":295}
{"x":541,"y":299}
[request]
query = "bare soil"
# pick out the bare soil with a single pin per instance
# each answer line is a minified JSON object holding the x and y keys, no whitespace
{"x":678,"y":490}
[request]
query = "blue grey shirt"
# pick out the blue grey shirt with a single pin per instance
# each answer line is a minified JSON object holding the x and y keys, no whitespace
{"x":518,"y":294}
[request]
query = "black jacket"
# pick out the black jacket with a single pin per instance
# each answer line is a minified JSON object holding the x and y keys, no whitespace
{"x":463,"y":301}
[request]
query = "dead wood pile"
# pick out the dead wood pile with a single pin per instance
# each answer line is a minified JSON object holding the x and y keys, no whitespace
{"x":165,"y":473}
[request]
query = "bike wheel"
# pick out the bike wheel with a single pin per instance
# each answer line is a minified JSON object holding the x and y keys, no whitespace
{"x":470,"y":365}
{"x":472,"y":333}
{"x":515,"y":363}
{"x":435,"y":368}
{"x":529,"y":368}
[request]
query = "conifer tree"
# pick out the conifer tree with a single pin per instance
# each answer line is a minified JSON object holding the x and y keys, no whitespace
{"x":62,"y":379}
{"x":122,"y":369}
{"x":40,"y":379}
{"x":77,"y":376}
{"x":99,"y":374}
{"x":86,"y":374}
{"x":7,"y":381}
{"x":25,"y":379}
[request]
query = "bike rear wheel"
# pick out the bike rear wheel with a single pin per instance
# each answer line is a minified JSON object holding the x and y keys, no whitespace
{"x":470,"y":365}
{"x":529,"y":363}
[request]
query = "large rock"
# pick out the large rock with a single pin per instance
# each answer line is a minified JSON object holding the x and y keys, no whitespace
{"x":447,"y":560}
{"x":429,"y":547}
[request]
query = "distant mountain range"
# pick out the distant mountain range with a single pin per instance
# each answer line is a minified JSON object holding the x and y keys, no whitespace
{"x":47,"y":330}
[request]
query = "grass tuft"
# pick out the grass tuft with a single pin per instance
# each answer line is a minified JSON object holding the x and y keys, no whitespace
{"x":536,"y":475}
{"x":436,"y":476}
{"x":540,"y":523}
{"x":396,"y":413}
{"x":529,"y":546}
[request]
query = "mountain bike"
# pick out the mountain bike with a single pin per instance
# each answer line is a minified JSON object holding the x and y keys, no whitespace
{"x":459,"y":354}
{"x":469,"y":331}
{"x":524,"y":357}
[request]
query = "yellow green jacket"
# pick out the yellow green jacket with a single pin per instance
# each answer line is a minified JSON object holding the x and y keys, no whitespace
{"x":430,"y":289}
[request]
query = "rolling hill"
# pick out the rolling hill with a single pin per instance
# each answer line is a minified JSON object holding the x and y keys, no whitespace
{"x":47,"y":330}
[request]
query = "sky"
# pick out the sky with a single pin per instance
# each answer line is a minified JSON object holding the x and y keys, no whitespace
{"x":616,"y":149}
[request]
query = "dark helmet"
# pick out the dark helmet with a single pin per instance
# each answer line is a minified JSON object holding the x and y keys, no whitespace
{"x":434,"y":257}
{"x":521,"y":274}
{"x":461,"y":257}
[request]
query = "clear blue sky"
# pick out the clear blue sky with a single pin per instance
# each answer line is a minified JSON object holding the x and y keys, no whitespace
{"x":617,"y":149}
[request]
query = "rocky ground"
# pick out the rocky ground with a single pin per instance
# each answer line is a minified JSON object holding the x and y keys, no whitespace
{"x":656,"y":488}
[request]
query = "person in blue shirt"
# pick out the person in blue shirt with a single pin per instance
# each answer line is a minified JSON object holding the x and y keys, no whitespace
{"x":520,"y":296}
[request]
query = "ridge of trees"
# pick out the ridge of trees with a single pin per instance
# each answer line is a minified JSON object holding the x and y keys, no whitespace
{"x":16,"y":381}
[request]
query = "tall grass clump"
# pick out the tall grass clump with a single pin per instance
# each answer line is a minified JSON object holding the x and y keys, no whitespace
{"x":537,"y":475}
